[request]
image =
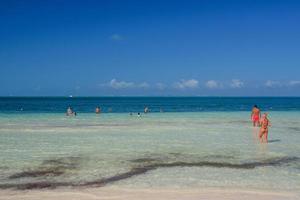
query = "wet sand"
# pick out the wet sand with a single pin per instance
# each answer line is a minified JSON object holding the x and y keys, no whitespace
{"x":145,"y":194}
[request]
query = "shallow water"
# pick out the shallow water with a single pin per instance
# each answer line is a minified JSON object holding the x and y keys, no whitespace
{"x":178,"y":149}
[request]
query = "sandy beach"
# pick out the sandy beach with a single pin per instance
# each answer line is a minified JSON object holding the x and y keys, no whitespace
{"x":136,"y":194}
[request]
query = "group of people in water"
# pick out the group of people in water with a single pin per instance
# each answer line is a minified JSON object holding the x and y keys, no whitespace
{"x":70,"y":112}
{"x":262,"y":121}
{"x":258,"y":120}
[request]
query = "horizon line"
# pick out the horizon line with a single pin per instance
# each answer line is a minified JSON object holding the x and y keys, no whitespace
{"x":146,"y":96}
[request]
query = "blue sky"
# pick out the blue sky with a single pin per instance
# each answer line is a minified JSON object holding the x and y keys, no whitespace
{"x":100,"y":48}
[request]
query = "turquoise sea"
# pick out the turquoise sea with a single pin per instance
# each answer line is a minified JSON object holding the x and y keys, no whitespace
{"x":182,"y":143}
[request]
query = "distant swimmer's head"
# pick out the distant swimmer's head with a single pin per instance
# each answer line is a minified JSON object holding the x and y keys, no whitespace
{"x":97,"y":110}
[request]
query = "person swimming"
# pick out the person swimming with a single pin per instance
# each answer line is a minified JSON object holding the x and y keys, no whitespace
{"x":264,"y":130}
{"x":146,"y":109}
{"x":255,"y":115}
{"x":70,"y":112}
{"x":98,"y":110}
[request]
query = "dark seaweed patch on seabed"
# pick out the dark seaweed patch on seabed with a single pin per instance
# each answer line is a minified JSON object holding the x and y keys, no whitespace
{"x":52,"y":167}
{"x":219,"y":157}
{"x":145,"y":167}
{"x":71,"y":162}
{"x":144,"y":160}
{"x":38,"y":173}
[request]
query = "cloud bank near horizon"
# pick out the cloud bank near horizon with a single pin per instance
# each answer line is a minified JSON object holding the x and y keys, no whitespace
{"x":194,"y":84}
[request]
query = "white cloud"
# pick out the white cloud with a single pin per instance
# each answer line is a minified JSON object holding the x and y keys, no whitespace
{"x":116,"y":37}
{"x":236,"y":83}
{"x":212,"y":84}
{"x":115,"y":84}
{"x":276,"y":84}
{"x":160,"y":86}
{"x":143,"y":85}
{"x":293,"y":83}
{"x":186,"y":84}
{"x":120,"y":84}
{"x":272,"y":84}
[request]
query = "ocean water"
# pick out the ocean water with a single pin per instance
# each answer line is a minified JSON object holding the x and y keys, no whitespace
{"x":194,"y":142}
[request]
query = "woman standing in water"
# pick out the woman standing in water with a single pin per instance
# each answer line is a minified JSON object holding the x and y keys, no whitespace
{"x":97,"y":110}
{"x":255,"y":115}
{"x":264,"y":130}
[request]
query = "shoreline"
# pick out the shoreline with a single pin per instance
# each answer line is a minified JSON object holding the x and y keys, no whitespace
{"x":113,"y":192}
